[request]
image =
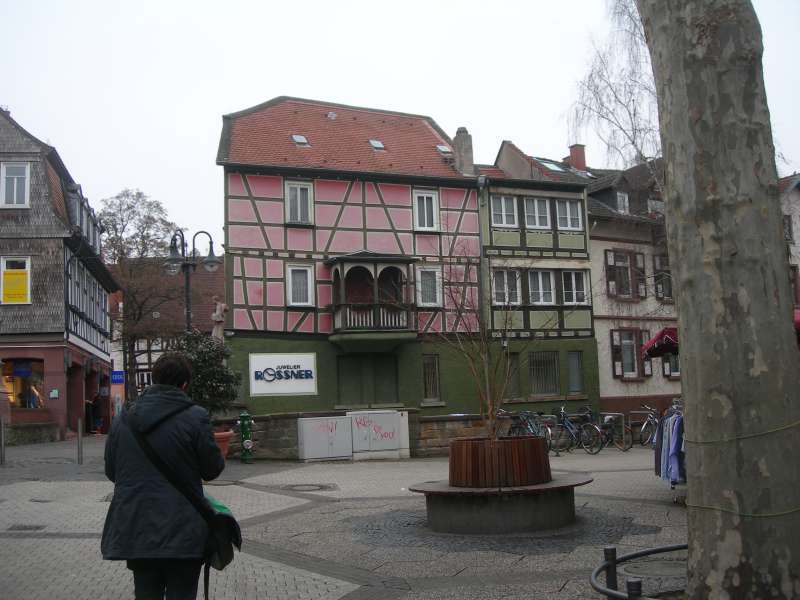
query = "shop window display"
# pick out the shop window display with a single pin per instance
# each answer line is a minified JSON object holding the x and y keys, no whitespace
{"x":23,"y":383}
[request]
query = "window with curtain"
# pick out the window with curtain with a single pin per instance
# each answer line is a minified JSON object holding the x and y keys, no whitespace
{"x":568,"y":213}
{"x":506,"y":287}
{"x":300,"y":285}
{"x":299,"y":200}
{"x":426,"y":207}
{"x":15,"y":185}
{"x":541,"y":287}
{"x":575,"y":372}
{"x":429,"y":287}
{"x":574,"y":283}
{"x":537,"y":213}
{"x":629,"y":347}
{"x":544,"y":373}
{"x":430,"y":377}
{"x":504,"y":211}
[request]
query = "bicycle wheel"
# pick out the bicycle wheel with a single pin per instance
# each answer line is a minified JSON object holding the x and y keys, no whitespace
{"x":562,"y":440}
{"x":548,"y":437}
{"x":624,"y":441}
{"x":591,"y":438}
{"x":647,"y":432}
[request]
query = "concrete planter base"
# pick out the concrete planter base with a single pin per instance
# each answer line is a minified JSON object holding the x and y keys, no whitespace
{"x":501,"y":510}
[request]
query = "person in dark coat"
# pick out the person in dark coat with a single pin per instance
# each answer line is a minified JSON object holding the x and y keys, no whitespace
{"x":150,"y":524}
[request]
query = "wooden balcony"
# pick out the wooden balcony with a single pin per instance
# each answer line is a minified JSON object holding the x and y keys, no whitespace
{"x":372,"y":317}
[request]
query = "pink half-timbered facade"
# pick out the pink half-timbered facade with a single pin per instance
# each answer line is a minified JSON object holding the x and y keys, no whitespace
{"x":352,"y":240}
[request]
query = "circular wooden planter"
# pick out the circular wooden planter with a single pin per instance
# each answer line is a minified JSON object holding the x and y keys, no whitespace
{"x":507,"y":462}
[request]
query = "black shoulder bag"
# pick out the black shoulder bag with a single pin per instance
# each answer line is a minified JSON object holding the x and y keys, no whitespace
{"x":223,"y":530}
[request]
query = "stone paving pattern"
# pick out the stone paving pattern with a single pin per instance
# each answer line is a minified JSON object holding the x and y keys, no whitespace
{"x":362,"y":536}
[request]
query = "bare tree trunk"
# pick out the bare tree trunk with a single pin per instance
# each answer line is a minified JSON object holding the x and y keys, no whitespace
{"x":739,"y":358}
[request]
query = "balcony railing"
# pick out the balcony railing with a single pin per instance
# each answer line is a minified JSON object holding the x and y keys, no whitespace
{"x":372,"y":317}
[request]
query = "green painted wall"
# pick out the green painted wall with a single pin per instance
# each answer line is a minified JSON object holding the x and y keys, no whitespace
{"x":539,"y":239}
{"x":505,"y":238}
{"x":575,"y":241}
{"x":543,"y":319}
{"x":577,"y":319}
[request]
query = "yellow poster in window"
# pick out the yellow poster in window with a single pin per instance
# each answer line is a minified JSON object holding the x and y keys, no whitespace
{"x":15,"y":287}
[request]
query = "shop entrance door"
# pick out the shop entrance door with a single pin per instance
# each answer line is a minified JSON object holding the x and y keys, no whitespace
{"x":367,"y":379}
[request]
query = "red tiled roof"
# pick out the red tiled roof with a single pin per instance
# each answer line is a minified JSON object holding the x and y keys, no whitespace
{"x":491,"y":171}
{"x":789,"y":181}
{"x":262,"y":136}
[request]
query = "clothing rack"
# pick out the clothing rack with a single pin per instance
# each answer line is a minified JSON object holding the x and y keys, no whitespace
{"x":669,"y":448}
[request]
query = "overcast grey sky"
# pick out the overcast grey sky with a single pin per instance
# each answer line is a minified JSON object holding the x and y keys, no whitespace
{"x":132,"y":93}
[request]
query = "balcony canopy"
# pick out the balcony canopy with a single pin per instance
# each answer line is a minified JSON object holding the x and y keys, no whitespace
{"x":365,"y":256}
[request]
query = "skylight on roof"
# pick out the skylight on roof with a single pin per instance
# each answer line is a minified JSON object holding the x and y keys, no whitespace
{"x":551,"y":166}
{"x":444,"y":149}
{"x":377,"y":144}
{"x":300,"y":140}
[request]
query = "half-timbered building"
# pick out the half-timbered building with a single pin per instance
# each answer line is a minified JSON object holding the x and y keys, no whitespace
{"x":54,"y":288}
{"x":348,"y":232}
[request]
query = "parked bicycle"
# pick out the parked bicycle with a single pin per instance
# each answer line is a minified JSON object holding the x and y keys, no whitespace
{"x":526,"y":423}
{"x":567,"y":435}
{"x":650,"y":426}
{"x":612,"y":428}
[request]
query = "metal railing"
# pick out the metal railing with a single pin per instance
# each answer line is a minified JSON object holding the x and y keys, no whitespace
{"x":633,"y":585}
{"x":371,"y":317}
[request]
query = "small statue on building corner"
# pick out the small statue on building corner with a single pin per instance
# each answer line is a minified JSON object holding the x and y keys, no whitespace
{"x":218,"y":316}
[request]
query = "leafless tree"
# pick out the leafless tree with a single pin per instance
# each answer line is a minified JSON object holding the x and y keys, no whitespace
{"x":741,"y":366}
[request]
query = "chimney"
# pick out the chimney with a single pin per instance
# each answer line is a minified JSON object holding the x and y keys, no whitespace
{"x":462,"y":147}
{"x":577,"y":157}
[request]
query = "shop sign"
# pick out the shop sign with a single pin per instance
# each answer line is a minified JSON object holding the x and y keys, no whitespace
{"x":283,"y":374}
{"x":15,"y":287}
{"x":117,"y":377}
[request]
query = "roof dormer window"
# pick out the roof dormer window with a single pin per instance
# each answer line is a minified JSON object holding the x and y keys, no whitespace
{"x":550,"y":165}
{"x":300,"y":140}
{"x":444,"y":149}
{"x":377,"y":145}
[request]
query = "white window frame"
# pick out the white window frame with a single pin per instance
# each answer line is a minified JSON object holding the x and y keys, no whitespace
{"x":311,"y":284}
{"x":502,"y":198}
{"x":586,"y":288}
{"x":536,"y":202}
{"x":538,"y":275}
{"x":3,"y":166}
{"x":622,"y":201}
{"x":425,"y":194}
{"x":438,"y":272}
{"x":569,"y":205}
{"x":506,"y":301}
{"x":634,"y":334}
{"x":299,"y":184}
{"x":3,"y":260}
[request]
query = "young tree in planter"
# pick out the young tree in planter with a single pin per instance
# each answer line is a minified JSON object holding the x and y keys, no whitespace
{"x":214,"y":385}
{"x":740,"y":375}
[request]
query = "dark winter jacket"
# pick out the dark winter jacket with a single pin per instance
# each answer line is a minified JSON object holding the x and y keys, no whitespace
{"x":148,"y":517}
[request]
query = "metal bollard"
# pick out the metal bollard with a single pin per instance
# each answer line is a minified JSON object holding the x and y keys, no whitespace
{"x":2,"y":442}
{"x":610,"y":557}
{"x":80,"y":441}
{"x":634,"y":589}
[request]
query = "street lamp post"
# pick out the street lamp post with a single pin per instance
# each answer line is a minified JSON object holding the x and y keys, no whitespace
{"x":179,"y":261}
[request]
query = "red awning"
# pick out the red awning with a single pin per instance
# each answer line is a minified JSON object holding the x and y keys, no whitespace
{"x":664,"y":342}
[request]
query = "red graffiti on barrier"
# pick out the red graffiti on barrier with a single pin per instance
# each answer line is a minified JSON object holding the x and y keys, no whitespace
{"x":326,"y":427}
{"x":363,"y":422}
{"x":379,"y":434}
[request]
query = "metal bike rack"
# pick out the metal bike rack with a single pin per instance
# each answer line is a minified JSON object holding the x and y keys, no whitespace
{"x":633,"y":585}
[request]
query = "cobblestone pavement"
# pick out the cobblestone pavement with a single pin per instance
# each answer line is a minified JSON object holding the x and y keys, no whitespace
{"x":338,"y":530}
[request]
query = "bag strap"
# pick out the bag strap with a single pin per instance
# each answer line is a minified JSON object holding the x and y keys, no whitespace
{"x":170,"y":475}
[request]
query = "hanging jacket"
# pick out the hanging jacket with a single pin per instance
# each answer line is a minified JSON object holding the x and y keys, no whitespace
{"x":148,"y":517}
{"x":676,"y":474}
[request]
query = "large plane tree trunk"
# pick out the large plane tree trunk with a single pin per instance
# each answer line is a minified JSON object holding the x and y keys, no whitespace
{"x":739,"y":358}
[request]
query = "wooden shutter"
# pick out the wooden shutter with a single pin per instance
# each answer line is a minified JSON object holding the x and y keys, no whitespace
{"x":640,"y":274}
{"x":657,"y":277}
{"x":647,"y":363}
{"x":616,"y":354}
{"x":611,"y":272}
